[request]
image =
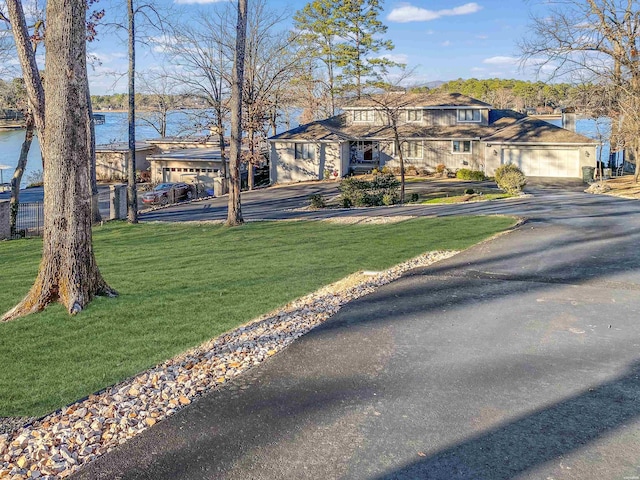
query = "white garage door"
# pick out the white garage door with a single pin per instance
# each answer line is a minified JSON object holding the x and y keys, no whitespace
{"x":545,"y":163}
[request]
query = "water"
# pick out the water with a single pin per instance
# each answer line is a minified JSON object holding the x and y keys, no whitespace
{"x":599,"y":130}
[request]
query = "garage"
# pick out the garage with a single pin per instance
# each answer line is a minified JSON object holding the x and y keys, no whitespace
{"x":545,"y":162}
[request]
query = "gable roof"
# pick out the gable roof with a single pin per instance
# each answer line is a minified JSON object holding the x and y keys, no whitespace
{"x":533,"y":130}
{"x":505,"y":126}
{"x":417,"y":100}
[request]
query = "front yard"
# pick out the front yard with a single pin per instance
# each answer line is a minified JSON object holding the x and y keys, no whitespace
{"x":181,"y":285}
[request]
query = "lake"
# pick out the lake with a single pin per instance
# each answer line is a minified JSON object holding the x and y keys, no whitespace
{"x":115,"y":130}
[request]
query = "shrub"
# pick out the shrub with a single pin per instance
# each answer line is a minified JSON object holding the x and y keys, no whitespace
{"x":411,"y":170}
{"x":510,"y":178}
{"x":469,"y":191}
{"x":35,"y":179}
{"x":386,"y":170}
{"x":467,"y":174}
{"x":375,"y":171}
{"x":317,"y":201}
{"x":440,"y":168}
{"x":414,"y":197}
{"x":389,"y":199}
{"x":368,"y":193}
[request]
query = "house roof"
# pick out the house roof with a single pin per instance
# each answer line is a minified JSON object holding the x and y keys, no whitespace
{"x":123,"y":147}
{"x":415,"y":100}
{"x":207,"y":155}
{"x":533,"y":130}
{"x":505,"y":126}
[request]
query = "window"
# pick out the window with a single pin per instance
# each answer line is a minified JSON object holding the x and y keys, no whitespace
{"x":305,"y":151}
{"x":468,"y":115}
{"x":461,"y":146}
{"x":363,"y":115}
{"x":414,"y":115}
{"x":412,"y":149}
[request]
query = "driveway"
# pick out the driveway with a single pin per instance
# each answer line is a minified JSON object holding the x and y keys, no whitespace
{"x":518,"y":358}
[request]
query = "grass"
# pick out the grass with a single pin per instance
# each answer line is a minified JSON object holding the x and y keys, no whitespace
{"x":181,"y":285}
{"x":467,"y":198}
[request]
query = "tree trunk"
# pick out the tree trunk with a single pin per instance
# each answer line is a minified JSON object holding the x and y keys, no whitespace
{"x":91,"y":125}
{"x":223,"y":154}
{"x":27,"y":57}
{"x":399,"y":150}
{"x":234,"y":214}
{"x":250,"y":173}
{"x":68,"y":271}
{"x":17,"y":174}
{"x":132,"y":194}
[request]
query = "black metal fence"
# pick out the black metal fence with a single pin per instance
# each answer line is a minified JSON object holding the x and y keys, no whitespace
{"x":30,"y":220}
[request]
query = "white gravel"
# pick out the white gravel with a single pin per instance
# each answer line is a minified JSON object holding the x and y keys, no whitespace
{"x":60,"y":443}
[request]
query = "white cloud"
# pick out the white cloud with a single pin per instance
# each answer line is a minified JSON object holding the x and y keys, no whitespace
{"x":430,"y":32}
{"x":409,"y":13}
{"x":396,"y":57}
{"x":446,"y":43}
{"x":501,"y":60}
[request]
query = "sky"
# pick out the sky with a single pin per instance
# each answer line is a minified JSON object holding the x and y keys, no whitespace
{"x":443,"y":39}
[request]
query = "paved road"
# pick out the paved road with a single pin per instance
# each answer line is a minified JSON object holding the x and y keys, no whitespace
{"x":518,"y":358}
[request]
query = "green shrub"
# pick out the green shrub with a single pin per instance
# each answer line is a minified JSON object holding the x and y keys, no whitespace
{"x":389,"y":199}
{"x":414,"y":197}
{"x":510,"y":178}
{"x":368,"y":193}
{"x":317,"y":201}
{"x":467,"y":174}
{"x":469,"y":191}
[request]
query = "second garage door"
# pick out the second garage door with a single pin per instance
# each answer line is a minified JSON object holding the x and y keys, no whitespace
{"x":545,"y":162}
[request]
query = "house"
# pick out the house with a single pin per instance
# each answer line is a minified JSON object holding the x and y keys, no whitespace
{"x":112,"y":159}
{"x":434,"y":128}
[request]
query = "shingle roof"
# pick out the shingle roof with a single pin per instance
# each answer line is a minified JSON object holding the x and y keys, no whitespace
{"x":505,"y":126}
{"x":533,"y":130}
{"x":415,"y":100}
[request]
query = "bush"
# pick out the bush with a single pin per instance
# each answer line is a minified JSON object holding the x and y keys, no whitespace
{"x":414,"y":197}
{"x":389,"y":199}
{"x":317,"y":201}
{"x":469,"y":191}
{"x":440,"y":168}
{"x":35,"y":179}
{"x":467,"y":174}
{"x":368,"y":193}
{"x":510,"y":178}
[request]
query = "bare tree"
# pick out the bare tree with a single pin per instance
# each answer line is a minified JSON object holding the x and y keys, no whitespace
{"x":594,"y":38}
{"x":68,"y":270}
{"x":390,"y":99}
{"x":161,"y":88}
{"x":271,"y":64}
{"x":203,"y":51}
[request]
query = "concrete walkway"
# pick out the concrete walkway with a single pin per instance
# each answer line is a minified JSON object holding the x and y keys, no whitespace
{"x":518,"y":358}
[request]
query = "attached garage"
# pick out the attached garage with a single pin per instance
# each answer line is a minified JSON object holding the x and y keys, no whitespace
{"x":545,"y":162}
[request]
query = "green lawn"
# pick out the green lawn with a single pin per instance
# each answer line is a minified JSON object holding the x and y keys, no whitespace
{"x":181,"y":285}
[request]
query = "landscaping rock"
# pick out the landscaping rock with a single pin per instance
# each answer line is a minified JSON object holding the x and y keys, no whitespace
{"x":58,"y":444}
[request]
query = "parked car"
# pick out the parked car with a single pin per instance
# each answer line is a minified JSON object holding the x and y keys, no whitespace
{"x":161,"y":194}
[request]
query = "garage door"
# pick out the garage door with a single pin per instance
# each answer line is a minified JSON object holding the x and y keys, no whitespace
{"x":545,"y":163}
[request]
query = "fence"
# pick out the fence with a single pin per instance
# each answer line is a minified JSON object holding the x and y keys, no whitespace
{"x":30,"y":220}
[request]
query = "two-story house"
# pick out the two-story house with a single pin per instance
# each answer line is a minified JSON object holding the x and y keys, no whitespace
{"x":450,"y":129}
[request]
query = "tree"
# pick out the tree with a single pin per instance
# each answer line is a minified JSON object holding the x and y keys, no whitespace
{"x":161,"y":100}
{"x":594,"y":39}
{"x":390,"y":99}
{"x":68,"y":270}
{"x":271,"y":63}
{"x":234,"y":212}
{"x":318,"y":29}
{"x":203,"y":51}
{"x":345,"y":34}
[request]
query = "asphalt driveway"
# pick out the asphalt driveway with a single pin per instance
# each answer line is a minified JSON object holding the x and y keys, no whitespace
{"x":519,"y":358}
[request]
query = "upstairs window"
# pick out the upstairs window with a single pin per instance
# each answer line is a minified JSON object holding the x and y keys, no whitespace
{"x":363,"y":115}
{"x":305,"y":151}
{"x":414,"y":115}
{"x":461,"y":146}
{"x":468,"y":115}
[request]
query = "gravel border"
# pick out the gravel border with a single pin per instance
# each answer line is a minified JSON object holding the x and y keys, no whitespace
{"x":57,"y":445}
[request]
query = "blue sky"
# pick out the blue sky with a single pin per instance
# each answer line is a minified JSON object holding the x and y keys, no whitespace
{"x":442,"y":39}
